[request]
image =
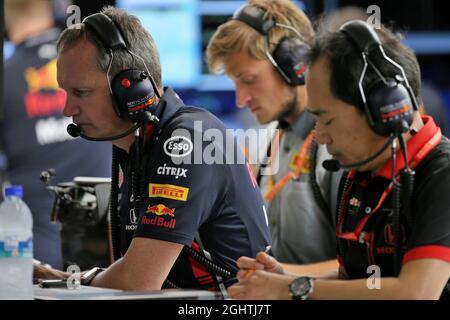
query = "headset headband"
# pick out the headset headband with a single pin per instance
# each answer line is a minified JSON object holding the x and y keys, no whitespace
{"x":366,"y":39}
{"x":254,"y":17}
{"x":106,"y":30}
{"x":363,"y":38}
{"x":284,"y":58}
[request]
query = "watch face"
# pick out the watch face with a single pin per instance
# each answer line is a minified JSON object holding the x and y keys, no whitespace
{"x":301,"y":287}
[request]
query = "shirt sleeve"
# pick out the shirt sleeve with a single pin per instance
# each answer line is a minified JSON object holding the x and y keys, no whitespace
{"x":179,"y":194}
{"x":430,"y":236}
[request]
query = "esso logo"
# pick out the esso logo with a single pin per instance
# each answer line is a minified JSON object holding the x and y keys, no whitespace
{"x":178,"y":147}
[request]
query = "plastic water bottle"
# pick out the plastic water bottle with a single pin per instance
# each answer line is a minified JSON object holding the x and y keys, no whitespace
{"x":16,"y":246}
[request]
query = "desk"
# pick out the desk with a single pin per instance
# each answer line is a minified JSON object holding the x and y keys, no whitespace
{"x":93,"y":293}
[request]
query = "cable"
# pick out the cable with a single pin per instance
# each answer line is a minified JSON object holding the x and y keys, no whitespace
{"x":407,"y":176}
{"x":212,"y":266}
{"x":402,"y":195}
{"x":113,"y":205}
{"x":323,"y":205}
{"x":396,"y":205}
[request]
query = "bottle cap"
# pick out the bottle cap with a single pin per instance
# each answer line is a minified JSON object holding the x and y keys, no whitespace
{"x":16,"y":191}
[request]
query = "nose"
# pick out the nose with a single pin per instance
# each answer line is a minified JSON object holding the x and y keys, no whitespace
{"x":321,"y":135}
{"x":243,"y":97}
{"x":70,"y":107}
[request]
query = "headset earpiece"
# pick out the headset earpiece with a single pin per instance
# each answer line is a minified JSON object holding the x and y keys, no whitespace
{"x":133,"y":91}
{"x":388,"y":103}
{"x":390,"y":107}
{"x":289,"y":56}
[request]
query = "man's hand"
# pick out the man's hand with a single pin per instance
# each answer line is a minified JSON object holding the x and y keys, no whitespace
{"x":262,"y":262}
{"x":260,"y":285}
{"x":40,"y":271}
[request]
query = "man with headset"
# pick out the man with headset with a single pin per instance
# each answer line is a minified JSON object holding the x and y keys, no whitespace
{"x":392,"y":224}
{"x":171,"y":217}
{"x":263,"y":50}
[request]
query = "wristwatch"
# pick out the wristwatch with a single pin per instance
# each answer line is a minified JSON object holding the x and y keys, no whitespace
{"x":88,"y":276}
{"x":301,"y":288}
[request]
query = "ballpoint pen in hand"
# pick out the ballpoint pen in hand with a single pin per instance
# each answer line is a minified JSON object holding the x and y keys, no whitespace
{"x":250,"y":271}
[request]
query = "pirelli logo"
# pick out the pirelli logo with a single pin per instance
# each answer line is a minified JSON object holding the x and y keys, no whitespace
{"x":168,"y":191}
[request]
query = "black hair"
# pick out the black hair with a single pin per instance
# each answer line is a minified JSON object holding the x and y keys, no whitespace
{"x":346,"y":63}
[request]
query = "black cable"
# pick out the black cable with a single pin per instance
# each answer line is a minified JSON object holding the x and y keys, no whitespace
{"x":113,"y":205}
{"x":402,"y":196}
{"x":213,"y":267}
{"x":323,"y":205}
{"x":396,"y":205}
{"x":404,"y":150}
{"x":169,"y":285}
{"x":135,"y":177}
{"x":407,"y":181}
{"x":344,"y":185}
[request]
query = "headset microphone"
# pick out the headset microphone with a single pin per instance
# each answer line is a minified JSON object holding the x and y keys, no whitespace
{"x":75,"y":131}
{"x":331,"y":165}
{"x":334,"y":165}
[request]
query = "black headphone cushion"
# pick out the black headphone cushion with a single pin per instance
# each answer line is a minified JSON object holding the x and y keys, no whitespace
{"x":291,"y":57}
{"x":390,"y":107}
{"x":133,"y":94}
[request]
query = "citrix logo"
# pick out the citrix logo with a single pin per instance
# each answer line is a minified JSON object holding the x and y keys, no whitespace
{"x":172,"y":171}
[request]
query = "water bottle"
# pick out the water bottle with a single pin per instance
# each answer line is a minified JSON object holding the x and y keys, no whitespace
{"x":16,"y":246}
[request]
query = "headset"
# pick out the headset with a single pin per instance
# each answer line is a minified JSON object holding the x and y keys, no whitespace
{"x":388,"y":102}
{"x":133,"y":91}
{"x":289,"y":56}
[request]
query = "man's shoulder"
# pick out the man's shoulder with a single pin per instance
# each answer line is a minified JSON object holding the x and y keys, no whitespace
{"x":438,"y":158}
{"x":194,"y":119}
{"x":436,"y":165}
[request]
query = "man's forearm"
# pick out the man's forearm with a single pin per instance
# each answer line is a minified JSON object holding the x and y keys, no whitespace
{"x":116,"y":277}
{"x":324,"y":270}
{"x":113,"y":277}
{"x":389,"y":289}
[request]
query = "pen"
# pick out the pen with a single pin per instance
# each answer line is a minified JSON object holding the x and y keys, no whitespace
{"x":267,"y":249}
{"x":52,"y":283}
{"x":250,"y":271}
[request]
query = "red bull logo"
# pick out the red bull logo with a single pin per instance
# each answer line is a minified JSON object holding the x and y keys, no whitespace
{"x":44,"y":96}
{"x":161,"y":210}
{"x":159,"y":222}
{"x":142,"y":105}
{"x":42,"y":78}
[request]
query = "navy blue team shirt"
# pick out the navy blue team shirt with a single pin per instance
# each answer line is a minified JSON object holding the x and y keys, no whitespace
{"x":219,"y":201}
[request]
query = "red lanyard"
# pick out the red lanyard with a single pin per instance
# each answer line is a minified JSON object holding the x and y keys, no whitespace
{"x":357,"y":234}
{"x":274,"y":189}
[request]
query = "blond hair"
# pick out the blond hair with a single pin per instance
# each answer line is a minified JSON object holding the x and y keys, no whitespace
{"x":236,"y":36}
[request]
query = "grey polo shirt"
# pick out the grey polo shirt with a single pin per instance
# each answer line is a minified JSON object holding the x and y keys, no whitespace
{"x":301,"y":231}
